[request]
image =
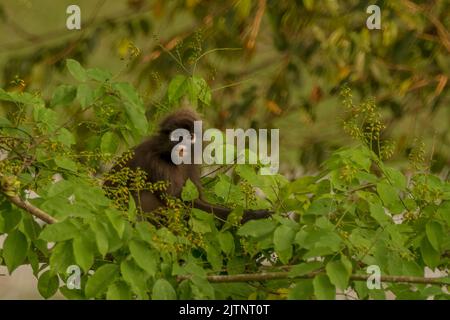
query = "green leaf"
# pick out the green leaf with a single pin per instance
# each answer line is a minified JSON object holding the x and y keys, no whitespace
{"x":83,"y":251}
{"x":145,"y":257}
{"x":114,"y":241}
{"x":119,"y":291}
{"x":396,"y":177}
{"x":304,"y":268}
{"x":338,"y":274}
{"x":10,"y":217}
{"x":102,"y":278}
{"x":435,"y":234}
{"x":163,"y":290}
{"x":132,"y":210}
{"x":430,"y":256}
{"x":48,"y":284}
{"x":322,"y":206}
{"x":189,"y":192}
{"x":192,"y":92}
{"x":347,"y":264}
{"x":411,"y":268}
{"x":98,"y":74}
{"x":444,"y":211}
{"x":377,"y":212}
{"x":62,"y":257}
{"x":15,"y":250}
{"x":65,"y":137}
{"x":283,"y":238}
{"x":303,"y":290}
{"x":33,"y":260}
{"x":5,"y":96}
{"x":136,"y":277}
{"x":248,"y":172}
{"x":235,"y":265}
{"x":117,"y":221}
{"x":47,"y":118}
{"x":199,"y":90}
{"x":25,"y":98}
{"x":60,"y":231}
{"x":76,"y":70}
{"x":201,"y":222}
{"x":194,"y":269}
{"x":72,"y":294}
{"x":92,"y":195}
{"x":319,"y":239}
{"x":390,"y":198}
{"x":166,"y":236}
{"x":134,"y":107}
{"x":85,"y":95}
{"x":101,"y":237}
{"x":223,"y":189}
{"x":214,"y":257}
{"x":63,"y":95}
{"x":323,"y":289}
{"x":145,"y":231}
{"x":178,"y":87}
{"x":66,"y":163}
{"x":303,"y":184}
{"x":226,"y":242}
{"x":361,"y":157}
{"x":257,"y":228}
{"x":361,"y":289}
{"x":109,"y":143}
{"x":63,"y":188}
{"x":377,"y":294}
{"x":31,"y":228}
{"x":201,"y":288}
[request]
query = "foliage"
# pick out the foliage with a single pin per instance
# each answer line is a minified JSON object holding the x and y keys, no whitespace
{"x":357,"y":212}
{"x":270,"y":64}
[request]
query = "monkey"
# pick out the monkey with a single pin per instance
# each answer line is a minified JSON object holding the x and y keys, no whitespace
{"x":153,"y":156}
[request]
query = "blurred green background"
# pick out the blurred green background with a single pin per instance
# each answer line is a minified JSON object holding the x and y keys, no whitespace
{"x":284,"y":65}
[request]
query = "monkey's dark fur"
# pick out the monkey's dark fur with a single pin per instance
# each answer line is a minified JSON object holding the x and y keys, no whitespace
{"x":154,"y":157}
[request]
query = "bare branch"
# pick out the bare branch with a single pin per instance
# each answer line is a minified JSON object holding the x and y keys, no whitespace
{"x":264,"y":276}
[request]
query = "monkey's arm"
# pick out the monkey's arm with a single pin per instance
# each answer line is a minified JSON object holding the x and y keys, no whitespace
{"x":222,"y":212}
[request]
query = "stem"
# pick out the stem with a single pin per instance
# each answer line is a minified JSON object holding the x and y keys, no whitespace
{"x":208,"y":52}
{"x":264,"y":276}
{"x":31,"y":209}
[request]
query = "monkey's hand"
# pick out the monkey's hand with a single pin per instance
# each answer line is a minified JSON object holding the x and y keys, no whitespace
{"x":255,"y":214}
{"x":222,"y":212}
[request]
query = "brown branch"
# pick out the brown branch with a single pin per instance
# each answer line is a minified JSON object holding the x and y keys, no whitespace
{"x":256,"y":25}
{"x":442,"y":32}
{"x":264,"y":276}
{"x":44,"y":216}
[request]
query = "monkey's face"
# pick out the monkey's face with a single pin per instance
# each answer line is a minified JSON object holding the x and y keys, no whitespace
{"x":177,"y":134}
{"x":182,"y":142}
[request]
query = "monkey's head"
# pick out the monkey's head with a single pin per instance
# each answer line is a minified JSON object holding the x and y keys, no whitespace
{"x":171,"y":137}
{"x":180,"y":119}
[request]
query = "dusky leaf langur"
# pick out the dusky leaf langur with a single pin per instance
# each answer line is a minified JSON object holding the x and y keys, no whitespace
{"x":153,"y":156}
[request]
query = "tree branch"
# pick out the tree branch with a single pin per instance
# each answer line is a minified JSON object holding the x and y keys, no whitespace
{"x":245,"y":277}
{"x":256,"y":25}
{"x":31,"y":209}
